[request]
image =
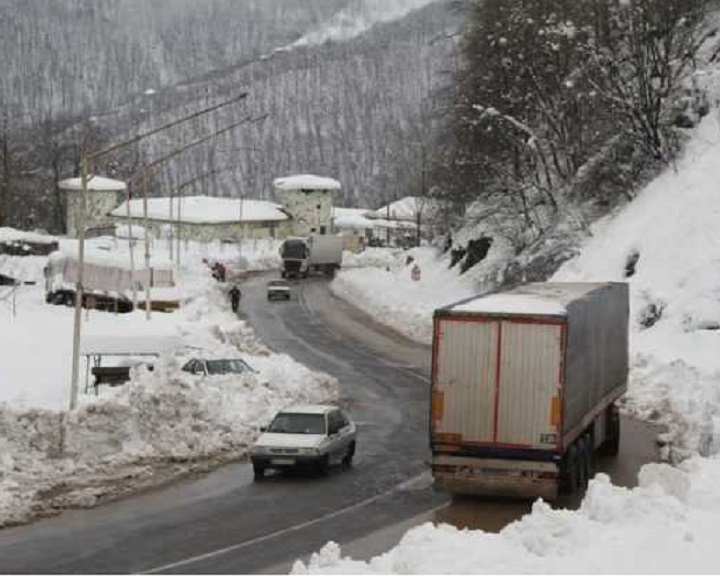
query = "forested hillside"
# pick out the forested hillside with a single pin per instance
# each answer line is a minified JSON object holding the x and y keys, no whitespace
{"x":338,"y":84}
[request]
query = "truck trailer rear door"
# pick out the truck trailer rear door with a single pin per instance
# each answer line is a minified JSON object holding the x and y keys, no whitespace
{"x":497,"y":382}
{"x":530,"y":375}
{"x":465,"y":379}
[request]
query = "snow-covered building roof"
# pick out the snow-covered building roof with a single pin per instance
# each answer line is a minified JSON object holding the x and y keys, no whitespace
{"x":111,"y":259}
{"x":407,"y":209}
{"x":306,"y":182}
{"x":15,"y":235}
{"x":204,"y":210}
{"x":355,"y":218}
{"x":393,"y":224}
{"x":94,"y":184}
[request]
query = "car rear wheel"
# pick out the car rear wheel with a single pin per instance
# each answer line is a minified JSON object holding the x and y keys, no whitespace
{"x":348,"y":459}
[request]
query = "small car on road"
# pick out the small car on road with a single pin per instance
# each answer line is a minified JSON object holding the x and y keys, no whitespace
{"x":278,"y":290}
{"x":217,"y":366}
{"x":310,"y":436}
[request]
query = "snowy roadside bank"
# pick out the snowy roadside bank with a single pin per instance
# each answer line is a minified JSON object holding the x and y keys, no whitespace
{"x":162,"y":425}
{"x":388,"y":293}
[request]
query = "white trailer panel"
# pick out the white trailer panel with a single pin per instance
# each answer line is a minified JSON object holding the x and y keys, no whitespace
{"x":325,"y":250}
{"x":529,"y":383}
{"x":464,"y":394}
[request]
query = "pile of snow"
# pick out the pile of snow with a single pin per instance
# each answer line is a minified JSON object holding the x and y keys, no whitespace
{"x":372,"y":258}
{"x":398,"y":301}
{"x":666,"y":525}
{"x":23,"y":268}
{"x":162,"y":424}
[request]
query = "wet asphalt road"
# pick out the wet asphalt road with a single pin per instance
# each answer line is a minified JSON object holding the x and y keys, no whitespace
{"x":226,"y":523}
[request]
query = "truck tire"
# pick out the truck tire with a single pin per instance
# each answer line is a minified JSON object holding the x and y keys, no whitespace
{"x":584,"y":461}
{"x":69,"y":299}
{"x":569,"y":471}
{"x":611,"y":445}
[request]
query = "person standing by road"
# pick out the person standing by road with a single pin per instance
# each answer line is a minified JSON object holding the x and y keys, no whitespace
{"x":235,"y":295}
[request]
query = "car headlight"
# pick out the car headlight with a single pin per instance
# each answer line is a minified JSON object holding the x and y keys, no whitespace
{"x":258,"y":450}
{"x":309,"y":451}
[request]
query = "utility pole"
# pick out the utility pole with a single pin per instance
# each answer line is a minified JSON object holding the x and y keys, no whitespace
{"x":148,"y":277}
{"x":131,"y":246}
{"x":84,"y":169}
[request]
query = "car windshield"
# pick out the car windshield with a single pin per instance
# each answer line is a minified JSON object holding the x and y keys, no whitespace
{"x":230,"y":366}
{"x":278,"y":283}
{"x":290,"y":423}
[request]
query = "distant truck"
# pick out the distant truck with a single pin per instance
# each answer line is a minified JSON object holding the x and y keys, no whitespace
{"x":524,"y":384}
{"x":300,"y":256}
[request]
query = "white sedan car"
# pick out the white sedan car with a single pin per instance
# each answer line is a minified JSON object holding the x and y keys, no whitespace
{"x":278,"y":289}
{"x":313,"y":436}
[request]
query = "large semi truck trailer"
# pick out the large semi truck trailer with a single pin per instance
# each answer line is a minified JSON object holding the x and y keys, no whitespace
{"x":524,"y":385}
{"x":313,"y":254}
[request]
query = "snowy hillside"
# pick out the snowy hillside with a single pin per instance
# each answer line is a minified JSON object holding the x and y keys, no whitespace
{"x":358,"y":17}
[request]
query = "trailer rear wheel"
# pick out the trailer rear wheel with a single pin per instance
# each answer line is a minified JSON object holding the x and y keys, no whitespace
{"x":584,"y":461}
{"x":611,"y":445}
{"x":569,"y":471}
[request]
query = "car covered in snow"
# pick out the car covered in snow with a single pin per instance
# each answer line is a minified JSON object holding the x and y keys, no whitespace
{"x":217,"y":366}
{"x":278,"y":290}
{"x":311,"y":436}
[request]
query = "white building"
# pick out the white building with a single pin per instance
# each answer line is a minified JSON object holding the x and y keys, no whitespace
{"x":354,"y":226}
{"x":205,"y":218}
{"x":103,"y":194}
{"x":308,"y":200}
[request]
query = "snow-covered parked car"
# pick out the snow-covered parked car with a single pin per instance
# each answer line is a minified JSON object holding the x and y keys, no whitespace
{"x":216,"y":367}
{"x":311,"y":436}
{"x":278,"y":289}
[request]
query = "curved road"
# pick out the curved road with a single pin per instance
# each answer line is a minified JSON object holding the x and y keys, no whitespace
{"x":226,"y":523}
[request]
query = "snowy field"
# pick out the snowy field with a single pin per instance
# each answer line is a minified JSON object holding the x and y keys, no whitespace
{"x":667,"y":524}
{"x":163,"y":423}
